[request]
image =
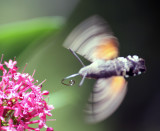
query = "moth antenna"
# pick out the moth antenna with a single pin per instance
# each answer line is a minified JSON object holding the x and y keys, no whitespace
{"x":77,"y":57}
{"x":71,"y":82}
{"x":82,"y":81}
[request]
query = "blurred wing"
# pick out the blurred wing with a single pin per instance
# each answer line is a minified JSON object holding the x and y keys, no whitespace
{"x":93,"y":39}
{"x":106,"y":96}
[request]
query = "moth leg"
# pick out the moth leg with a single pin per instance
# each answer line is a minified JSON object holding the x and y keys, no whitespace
{"x":77,"y":57}
{"x":82,"y":81}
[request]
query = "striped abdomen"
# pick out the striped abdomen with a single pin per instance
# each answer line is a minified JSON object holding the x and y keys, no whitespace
{"x":120,"y":66}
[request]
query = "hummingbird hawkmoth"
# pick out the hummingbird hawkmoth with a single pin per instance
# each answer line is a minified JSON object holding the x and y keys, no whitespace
{"x":94,"y":40}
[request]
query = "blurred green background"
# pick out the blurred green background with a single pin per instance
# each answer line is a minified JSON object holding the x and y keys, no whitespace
{"x":34,"y":30}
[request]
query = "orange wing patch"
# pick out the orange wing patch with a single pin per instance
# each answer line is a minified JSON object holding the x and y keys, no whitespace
{"x":107,"y":49}
{"x":105,"y":98}
{"x":118,"y":83}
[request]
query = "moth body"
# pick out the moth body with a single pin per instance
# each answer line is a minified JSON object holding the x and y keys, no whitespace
{"x":129,"y":66}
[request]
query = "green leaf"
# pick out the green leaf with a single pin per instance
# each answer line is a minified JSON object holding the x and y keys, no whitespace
{"x":15,"y":37}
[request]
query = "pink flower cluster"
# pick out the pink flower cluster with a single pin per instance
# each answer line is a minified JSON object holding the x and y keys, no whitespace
{"x":21,"y":100}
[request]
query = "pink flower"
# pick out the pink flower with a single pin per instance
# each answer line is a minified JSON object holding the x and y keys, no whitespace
{"x":21,"y":100}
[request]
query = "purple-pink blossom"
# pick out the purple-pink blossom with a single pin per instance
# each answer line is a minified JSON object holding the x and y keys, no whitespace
{"x":21,"y":100}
